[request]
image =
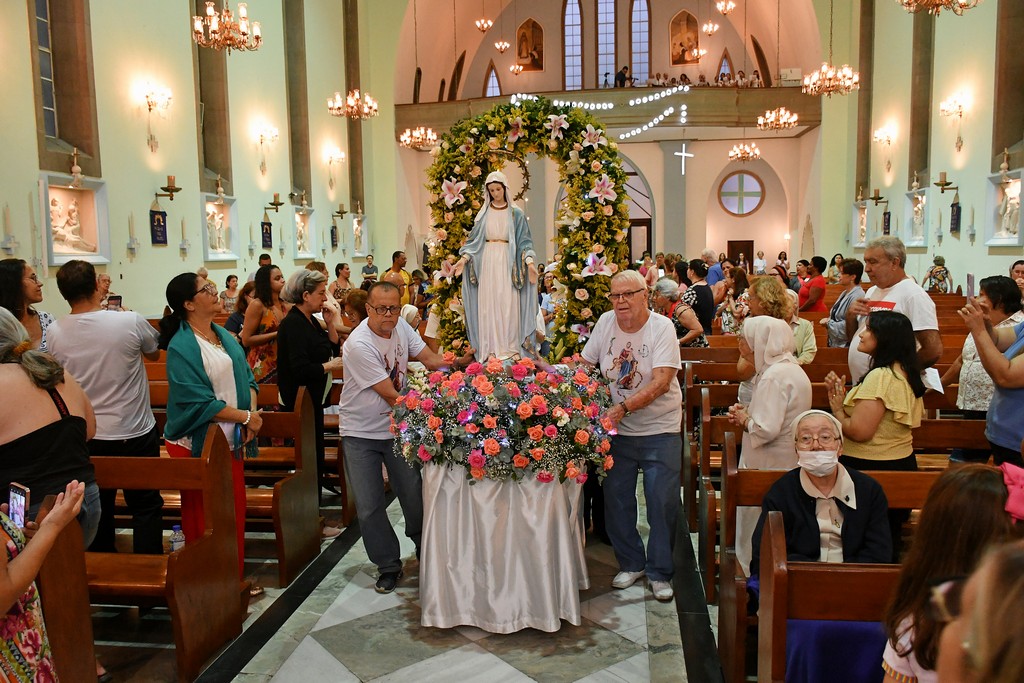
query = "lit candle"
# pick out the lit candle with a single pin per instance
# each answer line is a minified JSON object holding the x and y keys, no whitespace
{"x":183,"y":229}
{"x":942,"y":176}
{"x":170,"y":181}
{"x":197,"y":25}
{"x":256,"y":30}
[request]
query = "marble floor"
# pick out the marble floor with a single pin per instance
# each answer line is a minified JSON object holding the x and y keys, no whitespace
{"x":332,"y":626}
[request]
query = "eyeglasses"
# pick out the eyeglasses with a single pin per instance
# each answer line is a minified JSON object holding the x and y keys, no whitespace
{"x":386,"y":310}
{"x":33,"y":278}
{"x":825,"y":440}
{"x":209,"y":288}
{"x":624,"y":295}
{"x":946,"y":599}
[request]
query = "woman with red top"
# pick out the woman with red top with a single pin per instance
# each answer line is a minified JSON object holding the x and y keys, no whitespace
{"x":812,"y":293}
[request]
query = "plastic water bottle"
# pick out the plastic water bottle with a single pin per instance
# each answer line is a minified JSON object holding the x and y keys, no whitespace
{"x":177,"y":538}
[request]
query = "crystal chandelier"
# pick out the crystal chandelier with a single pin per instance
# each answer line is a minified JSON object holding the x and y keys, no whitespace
{"x":777,"y":119}
{"x":483,"y":24}
{"x":957,"y":7}
{"x":710,"y":28}
{"x":516,"y":69}
{"x":222,"y":32}
{"x":421,"y":138}
{"x":744,"y":152}
{"x":354,"y":106}
{"x":697,"y":53}
{"x":725,"y":6}
{"x":501,"y":46}
{"x":830,"y":80}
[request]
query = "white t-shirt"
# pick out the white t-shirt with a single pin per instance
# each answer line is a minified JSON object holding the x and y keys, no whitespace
{"x":369,"y":359}
{"x":628,"y":361}
{"x":103,"y":350}
{"x":221,"y":371}
{"x":905,"y":297}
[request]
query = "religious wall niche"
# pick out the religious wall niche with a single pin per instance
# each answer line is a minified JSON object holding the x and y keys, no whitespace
{"x":684,"y":39}
{"x":859,"y":225}
{"x":360,"y":235}
{"x":303,"y":235}
{"x":1002,"y":214}
{"x":220,"y":228}
{"x":530,"y":46}
{"x":915,"y":217}
{"x":74,"y":213}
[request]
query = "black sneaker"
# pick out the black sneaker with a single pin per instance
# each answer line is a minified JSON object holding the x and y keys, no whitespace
{"x":387,"y":582}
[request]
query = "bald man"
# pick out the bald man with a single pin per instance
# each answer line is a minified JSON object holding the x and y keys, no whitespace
{"x":398,"y":281}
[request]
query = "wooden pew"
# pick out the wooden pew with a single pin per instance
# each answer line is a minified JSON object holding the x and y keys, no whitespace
{"x":64,"y":592}
{"x":811,"y":590}
{"x":199,"y":583}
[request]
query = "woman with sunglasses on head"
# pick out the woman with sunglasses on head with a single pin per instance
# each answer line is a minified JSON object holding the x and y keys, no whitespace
{"x":263,"y":317}
{"x":963,"y":516}
{"x":208,"y":382}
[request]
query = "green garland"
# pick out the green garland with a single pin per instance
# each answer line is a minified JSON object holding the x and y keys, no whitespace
{"x":593,"y":221}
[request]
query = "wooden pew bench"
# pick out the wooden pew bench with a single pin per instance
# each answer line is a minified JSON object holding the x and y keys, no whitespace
{"x":199,"y":583}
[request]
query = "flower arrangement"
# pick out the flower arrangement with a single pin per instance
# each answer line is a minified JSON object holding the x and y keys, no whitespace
{"x":504,"y":421}
{"x":592,"y":223}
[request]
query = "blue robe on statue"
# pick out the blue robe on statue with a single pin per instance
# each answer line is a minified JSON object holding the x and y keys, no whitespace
{"x":520,"y":246}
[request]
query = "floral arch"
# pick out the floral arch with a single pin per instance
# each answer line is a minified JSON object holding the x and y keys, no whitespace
{"x":592,"y":222}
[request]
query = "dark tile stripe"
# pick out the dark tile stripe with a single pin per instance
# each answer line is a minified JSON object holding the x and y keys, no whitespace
{"x":699,"y":649}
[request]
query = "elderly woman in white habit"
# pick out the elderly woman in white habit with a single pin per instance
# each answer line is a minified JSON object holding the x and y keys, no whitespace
{"x":781,"y":392}
{"x":499,"y":283}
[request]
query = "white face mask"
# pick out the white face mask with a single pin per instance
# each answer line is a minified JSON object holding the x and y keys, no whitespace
{"x":818,"y":463}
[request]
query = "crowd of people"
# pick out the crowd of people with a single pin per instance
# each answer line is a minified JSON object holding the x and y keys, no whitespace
{"x":81,"y":382}
{"x":724,"y":79}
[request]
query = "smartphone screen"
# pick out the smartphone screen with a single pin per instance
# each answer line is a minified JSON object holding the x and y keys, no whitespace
{"x":18,"y":504}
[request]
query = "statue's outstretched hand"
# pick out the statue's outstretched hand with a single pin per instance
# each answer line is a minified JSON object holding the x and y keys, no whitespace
{"x":531,"y":270}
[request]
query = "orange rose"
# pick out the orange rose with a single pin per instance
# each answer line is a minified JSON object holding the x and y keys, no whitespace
{"x":411,"y":402}
{"x":570,"y":470}
{"x":478,"y":380}
{"x":490,"y":421}
{"x":605,"y":446}
{"x":439,"y":436}
{"x":491,"y":447}
{"x":608,"y":462}
{"x":607,"y":424}
{"x":524,"y":410}
{"x":472,"y":428}
{"x":433,"y":422}
{"x":537,"y":453}
{"x":520,"y":461}
{"x":448,"y":357}
{"x":527,"y":363}
{"x":581,"y":377}
{"x":577,"y":403}
{"x":494,"y":365}
{"x":485,"y":388}
{"x":537,"y":402}
{"x":477,"y":472}
{"x":582,"y":437}
{"x":541,"y":376}
{"x":535,"y":432}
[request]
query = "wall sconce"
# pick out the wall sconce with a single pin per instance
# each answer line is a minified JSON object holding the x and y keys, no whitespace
{"x":883,"y":136}
{"x":276,"y":204}
{"x":76,"y":171}
{"x":266,"y":135}
{"x":340,"y":213}
{"x":877,"y":198}
{"x":169,"y":189}
{"x":943,"y":184}
{"x":333,"y":156}
{"x":955,"y":106}
{"x":158,"y":99}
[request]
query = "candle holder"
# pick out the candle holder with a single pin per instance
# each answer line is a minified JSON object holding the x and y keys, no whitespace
{"x":276,"y":204}
{"x":133,"y":245}
{"x":943,"y":184}
{"x":340,"y":213}
{"x":169,"y":189}
{"x":878,"y":198}
{"x":184,"y":248}
{"x":9,"y":245}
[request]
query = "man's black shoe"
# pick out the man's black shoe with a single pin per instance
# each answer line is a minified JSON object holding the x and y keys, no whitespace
{"x":387,"y":582}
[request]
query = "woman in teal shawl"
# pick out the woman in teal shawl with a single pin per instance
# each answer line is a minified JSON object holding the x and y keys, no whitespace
{"x":499,"y":285}
{"x":208,"y":381}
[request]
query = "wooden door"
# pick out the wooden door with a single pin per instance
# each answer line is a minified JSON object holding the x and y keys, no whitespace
{"x":737,"y":247}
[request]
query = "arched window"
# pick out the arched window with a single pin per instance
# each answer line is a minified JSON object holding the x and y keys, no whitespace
{"x":572,"y":31}
{"x":606,"y":64}
{"x":640,"y":41}
{"x":453,"y":87}
{"x":725,"y":65}
{"x":492,"y":87}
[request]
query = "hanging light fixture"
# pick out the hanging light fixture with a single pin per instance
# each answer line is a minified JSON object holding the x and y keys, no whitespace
{"x":710,"y":28}
{"x":744,"y":151}
{"x":356,"y":105}
{"x":957,"y":7}
{"x":220,"y":31}
{"x":698,"y":52}
{"x":830,"y":80}
{"x":725,"y":6}
{"x":516,"y":69}
{"x":421,"y":137}
{"x":779,"y":118}
{"x":501,"y":46}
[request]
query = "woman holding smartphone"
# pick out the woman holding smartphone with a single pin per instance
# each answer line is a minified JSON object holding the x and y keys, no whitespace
{"x":307,"y":353}
{"x":208,"y":381}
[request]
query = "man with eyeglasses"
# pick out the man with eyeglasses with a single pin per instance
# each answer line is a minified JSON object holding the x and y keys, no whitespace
{"x":375,"y":356}
{"x":638,"y":352}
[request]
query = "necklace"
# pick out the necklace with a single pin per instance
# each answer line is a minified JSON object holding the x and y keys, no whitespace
{"x":215,"y":341}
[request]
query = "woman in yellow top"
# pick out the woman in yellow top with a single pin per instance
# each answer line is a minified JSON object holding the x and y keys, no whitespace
{"x":879,"y":413}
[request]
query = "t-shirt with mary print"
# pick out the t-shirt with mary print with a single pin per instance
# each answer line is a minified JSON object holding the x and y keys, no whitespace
{"x":628,"y":361}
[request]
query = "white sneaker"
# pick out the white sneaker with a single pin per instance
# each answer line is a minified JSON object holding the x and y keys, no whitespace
{"x":626,"y":579}
{"x":662,"y":590}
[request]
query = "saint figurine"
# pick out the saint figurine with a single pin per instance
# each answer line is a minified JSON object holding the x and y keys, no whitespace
{"x":499,"y":284}
{"x":918,"y":220}
{"x":1009,"y":209}
{"x":300,"y":235}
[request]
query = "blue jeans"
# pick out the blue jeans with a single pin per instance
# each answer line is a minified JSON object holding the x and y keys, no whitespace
{"x":363,"y":459}
{"x":88,"y":516}
{"x":658,"y":456}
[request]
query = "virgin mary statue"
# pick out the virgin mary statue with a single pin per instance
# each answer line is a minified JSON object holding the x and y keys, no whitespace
{"x":499,"y":283}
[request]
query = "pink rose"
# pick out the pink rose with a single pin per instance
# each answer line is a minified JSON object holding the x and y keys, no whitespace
{"x":427,"y":405}
{"x":442,"y":235}
{"x":586,"y":313}
{"x":449,"y":216}
{"x":476,"y":459}
{"x":587,"y":215}
{"x":593,"y":410}
{"x":551,"y":431}
{"x":514,"y":391}
{"x":474,"y":368}
{"x":403,"y":426}
{"x":595,"y":166}
{"x":519,"y":372}
{"x":582,"y":294}
{"x":435,"y":378}
{"x":607,"y":209}
{"x":582,"y":478}
{"x":598,"y":248}
{"x":463,"y":417}
{"x":423,"y":454}
{"x":545,"y":477}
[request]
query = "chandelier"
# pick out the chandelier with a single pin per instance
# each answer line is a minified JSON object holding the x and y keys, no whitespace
{"x":830,"y":80}
{"x":355,"y":105}
{"x":744,"y":152}
{"x":501,"y":46}
{"x":222,"y":32}
{"x":483,"y":24}
{"x":725,"y":6}
{"x":710,"y":28}
{"x":777,"y":119}
{"x":516,"y":69}
{"x":698,"y":52}
{"x":421,"y":138}
{"x":957,"y":7}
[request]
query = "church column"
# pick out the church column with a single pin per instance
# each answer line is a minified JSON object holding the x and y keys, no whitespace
{"x":355,"y":126}
{"x":862,"y":178}
{"x":671,"y":206}
{"x":921,"y":95}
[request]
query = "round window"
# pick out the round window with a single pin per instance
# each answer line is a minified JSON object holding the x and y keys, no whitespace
{"x":741,"y":193}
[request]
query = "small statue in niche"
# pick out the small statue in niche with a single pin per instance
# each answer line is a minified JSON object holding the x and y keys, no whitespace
{"x":917,"y":223}
{"x":300,"y":234}
{"x":357,"y":233}
{"x":57,"y":220}
{"x":67,"y":228}
{"x":1009,"y":209}
{"x":862,"y":225}
{"x":215,"y":229}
